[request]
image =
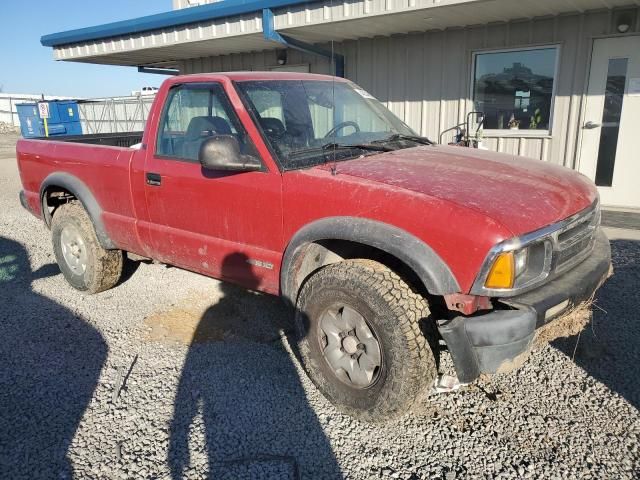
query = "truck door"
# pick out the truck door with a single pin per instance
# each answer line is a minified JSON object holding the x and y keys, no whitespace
{"x":220,"y":223}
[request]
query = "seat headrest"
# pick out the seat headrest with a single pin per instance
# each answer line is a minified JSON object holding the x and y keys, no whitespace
{"x":202,"y":126}
{"x":272,"y":126}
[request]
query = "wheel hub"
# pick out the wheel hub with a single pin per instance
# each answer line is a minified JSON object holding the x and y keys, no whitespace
{"x":73,"y":249}
{"x":349,"y":346}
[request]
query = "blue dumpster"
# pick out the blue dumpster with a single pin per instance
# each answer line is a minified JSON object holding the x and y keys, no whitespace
{"x":64,"y":119}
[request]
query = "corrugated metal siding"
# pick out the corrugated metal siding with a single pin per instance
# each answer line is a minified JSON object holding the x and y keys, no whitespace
{"x":424,"y":78}
{"x":361,"y":17}
{"x":253,"y":61}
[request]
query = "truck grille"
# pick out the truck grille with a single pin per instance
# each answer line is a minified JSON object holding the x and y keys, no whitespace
{"x":574,"y":242}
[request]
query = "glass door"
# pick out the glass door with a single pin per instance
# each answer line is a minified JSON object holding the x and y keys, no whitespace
{"x":612,"y":108}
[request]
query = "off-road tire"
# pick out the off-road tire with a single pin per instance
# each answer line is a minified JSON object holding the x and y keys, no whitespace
{"x":393,"y":312}
{"x":103,"y":267}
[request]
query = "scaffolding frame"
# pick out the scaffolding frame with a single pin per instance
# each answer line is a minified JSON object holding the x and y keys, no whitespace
{"x":115,"y":114}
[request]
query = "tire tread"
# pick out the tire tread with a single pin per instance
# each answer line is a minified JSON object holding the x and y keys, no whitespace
{"x":107,"y":265}
{"x":409,"y":308}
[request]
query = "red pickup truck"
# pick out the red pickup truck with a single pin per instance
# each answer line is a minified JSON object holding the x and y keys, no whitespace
{"x":305,"y":186}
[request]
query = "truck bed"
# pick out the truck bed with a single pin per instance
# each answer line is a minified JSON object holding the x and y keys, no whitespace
{"x":125,"y":139}
{"x":99,"y":160}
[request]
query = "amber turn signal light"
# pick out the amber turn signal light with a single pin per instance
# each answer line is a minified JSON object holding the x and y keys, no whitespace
{"x":502,"y":272}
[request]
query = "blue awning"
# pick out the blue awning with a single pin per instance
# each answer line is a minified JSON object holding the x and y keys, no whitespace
{"x":212,"y":11}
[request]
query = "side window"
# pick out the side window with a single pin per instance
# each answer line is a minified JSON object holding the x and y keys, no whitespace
{"x":183,"y":105}
{"x":193,"y":113}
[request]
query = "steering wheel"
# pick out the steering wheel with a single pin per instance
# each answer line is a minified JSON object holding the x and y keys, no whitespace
{"x":342,"y":125}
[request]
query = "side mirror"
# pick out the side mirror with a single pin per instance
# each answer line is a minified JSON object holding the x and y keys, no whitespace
{"x":222,"y":152}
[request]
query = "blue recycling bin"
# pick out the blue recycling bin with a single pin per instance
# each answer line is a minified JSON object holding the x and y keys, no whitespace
{"x":64,"y":119}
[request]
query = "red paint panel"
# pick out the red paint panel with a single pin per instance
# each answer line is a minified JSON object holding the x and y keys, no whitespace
{"x":103,"y":169}
{"x":522,"y":194}
{"x":461,"y":237}
{"x":214,"y":222}
{"x":459,"y":201}
{"x":197,"y":220}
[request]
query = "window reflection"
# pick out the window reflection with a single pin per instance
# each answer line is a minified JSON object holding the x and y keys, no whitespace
{"x":613,"y":98}
{"x":515,"y":88}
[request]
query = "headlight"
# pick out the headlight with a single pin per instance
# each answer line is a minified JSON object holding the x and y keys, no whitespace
{"x":524,"y":262}
{"x":517,"y":268}
{"x":520,"y":259}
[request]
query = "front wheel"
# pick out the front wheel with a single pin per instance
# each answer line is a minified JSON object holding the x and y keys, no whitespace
{"x":359,"y":337}
{"x":85,"y":264}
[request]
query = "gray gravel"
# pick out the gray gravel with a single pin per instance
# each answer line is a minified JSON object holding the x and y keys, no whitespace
{"x":8,"y":129}
{"x":7,"y":143}
{"x":75,"y":401}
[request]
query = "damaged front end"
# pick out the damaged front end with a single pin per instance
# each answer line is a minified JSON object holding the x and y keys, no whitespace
{"x":500,"y":340}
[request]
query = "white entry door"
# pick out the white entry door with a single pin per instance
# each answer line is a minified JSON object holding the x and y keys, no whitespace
{"x":610,"y":151}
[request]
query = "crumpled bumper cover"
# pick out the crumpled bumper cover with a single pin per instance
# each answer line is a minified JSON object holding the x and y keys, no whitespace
{"x":500,"y":340}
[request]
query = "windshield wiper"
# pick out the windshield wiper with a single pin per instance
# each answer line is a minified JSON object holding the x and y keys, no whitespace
{"x":399,"y":136}
{"x":361,"y":146}
{"x":327,"y":147}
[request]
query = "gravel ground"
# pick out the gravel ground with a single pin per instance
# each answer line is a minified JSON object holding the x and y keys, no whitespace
{"x":8,"y":144}
{"x":111,"y":386}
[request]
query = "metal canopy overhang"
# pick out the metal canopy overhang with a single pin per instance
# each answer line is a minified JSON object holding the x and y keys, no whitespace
{"x":172,"y":19}
{"x":169,"y":56}
{"x":316,"y":22}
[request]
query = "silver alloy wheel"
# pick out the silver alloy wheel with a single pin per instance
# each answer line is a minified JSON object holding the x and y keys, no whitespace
{"x":349,"y":346}
{"x":74,"y":249}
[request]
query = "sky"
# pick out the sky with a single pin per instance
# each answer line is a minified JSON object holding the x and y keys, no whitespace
{"x":540,"y":61}
{"x":28,"y":67}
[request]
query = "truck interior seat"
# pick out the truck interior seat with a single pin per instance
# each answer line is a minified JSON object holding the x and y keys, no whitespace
{"x":282,"y":138}
{"x":200,"y":128}
{"x":273,"y":127}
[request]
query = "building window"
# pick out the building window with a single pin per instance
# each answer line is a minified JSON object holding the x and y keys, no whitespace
{"x":514,"y":88}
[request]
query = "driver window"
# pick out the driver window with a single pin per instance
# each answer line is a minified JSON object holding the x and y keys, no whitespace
{"x":193,"y":113}
{"x":184,"y":105}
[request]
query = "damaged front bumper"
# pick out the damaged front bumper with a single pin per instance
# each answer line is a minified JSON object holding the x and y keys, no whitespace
{"x":500,"y":341}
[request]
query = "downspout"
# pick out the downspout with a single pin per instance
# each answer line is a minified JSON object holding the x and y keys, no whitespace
{"x":270,"y":33}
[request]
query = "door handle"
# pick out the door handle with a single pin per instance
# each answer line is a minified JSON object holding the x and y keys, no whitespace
{"x":589,"y":125}
{"x":154,"y":179}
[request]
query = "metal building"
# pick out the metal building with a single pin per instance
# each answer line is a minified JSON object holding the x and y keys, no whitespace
{"x":559,"y":80}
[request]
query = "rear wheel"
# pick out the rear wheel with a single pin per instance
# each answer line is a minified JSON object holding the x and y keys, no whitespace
{"x":360,"y":340}
{"x":85,"y":264}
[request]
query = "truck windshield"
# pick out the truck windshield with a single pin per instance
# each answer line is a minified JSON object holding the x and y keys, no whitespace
{"x":309,"y":122}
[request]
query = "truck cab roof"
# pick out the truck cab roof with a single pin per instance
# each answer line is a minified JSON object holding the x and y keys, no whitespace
{"x":249,"y":76}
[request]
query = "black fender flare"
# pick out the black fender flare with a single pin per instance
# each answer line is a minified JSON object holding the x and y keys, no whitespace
{"x":413,"y":252}
{"x":78,"y":188}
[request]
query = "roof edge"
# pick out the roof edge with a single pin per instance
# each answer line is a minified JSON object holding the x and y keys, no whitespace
{"x":174,"y":18}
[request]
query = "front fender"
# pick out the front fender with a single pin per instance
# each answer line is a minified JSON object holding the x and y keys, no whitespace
{"x":413,"y":252}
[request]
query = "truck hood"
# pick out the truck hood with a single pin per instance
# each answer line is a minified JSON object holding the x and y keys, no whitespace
{"x":521,"y":194}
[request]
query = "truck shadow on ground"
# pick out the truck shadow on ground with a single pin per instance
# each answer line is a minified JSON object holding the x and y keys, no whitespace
{"x":241,"y":387}
{"x":51,"y":361}
{"x":608,"y":349}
